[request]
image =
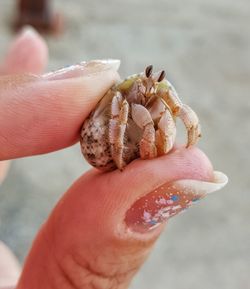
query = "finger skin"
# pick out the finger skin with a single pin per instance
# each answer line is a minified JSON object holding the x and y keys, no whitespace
{"x":39,"y":116}
{"x":9,"y":267}
{"x":4,"y":166}
{"x":27,"y":53}
{"x":85,"y":242}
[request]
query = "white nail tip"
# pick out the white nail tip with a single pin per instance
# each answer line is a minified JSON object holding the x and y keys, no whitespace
{"x":202,"y":187}
{"x":28,"y":31}
{"x":112,"y":63}
{"x":83,"y":69}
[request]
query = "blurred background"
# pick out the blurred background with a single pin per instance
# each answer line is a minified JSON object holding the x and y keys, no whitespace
{"x":205,"y":48}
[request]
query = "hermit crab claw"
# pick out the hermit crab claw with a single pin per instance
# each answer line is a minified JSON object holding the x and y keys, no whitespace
{"x":191,"y":122}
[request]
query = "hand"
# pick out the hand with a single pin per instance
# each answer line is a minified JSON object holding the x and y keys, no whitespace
{"x":102,"y":230}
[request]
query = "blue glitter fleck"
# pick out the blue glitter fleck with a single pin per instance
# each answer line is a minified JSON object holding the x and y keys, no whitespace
{"x":174,"y":198}
{"x":152,"y":222}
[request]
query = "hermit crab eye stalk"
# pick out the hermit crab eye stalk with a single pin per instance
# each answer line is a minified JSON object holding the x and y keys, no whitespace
{"x":161,"y":76}
{"x":148,"y":71}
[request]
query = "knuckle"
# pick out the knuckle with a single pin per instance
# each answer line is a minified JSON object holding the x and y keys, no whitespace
{"x":96,"y":274}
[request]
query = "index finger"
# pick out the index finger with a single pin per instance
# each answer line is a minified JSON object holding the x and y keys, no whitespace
{"x":42,"y":114}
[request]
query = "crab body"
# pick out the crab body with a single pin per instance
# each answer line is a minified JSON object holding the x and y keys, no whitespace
{"x":136,"y":119}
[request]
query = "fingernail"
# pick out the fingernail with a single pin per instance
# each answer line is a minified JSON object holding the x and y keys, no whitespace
{"x":112,"y":63}
{"x":28,"y":31}
{"x":83,"y":69}
{"x":169,"y":200}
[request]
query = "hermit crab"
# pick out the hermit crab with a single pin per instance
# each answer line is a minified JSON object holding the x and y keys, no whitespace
{"x":136,"y":118}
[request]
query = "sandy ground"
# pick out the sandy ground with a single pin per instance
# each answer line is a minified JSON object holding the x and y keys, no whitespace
{"x":205,"y":48}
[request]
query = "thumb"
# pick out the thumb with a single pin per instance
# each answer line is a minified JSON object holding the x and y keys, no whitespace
{"x":104,"y":227}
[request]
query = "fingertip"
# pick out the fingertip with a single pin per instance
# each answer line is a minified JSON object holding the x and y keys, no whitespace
{"x":194,"y":161}
{"x":27,"y":53}
{"x":53,"y":109}
{"x":178,"y":164}
{"x":190,"y":179}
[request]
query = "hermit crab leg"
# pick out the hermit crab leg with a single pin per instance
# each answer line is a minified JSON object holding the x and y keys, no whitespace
{"x":185,"y":113}
{"x":191,"y":122}
{"x":166,"y":133}
{"x":173,"y":99}
{"x":117,"y":127}
{"x":143,"y":119}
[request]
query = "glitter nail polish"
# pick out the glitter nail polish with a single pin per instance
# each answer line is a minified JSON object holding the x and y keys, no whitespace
{"x":168,"y":200}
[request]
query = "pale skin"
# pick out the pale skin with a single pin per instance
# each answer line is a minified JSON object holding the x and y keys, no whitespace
{"x":97,"y":263}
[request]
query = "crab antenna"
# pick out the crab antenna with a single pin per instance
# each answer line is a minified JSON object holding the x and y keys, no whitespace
{"x":161,"y":76}
{"x":149,"y":70}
